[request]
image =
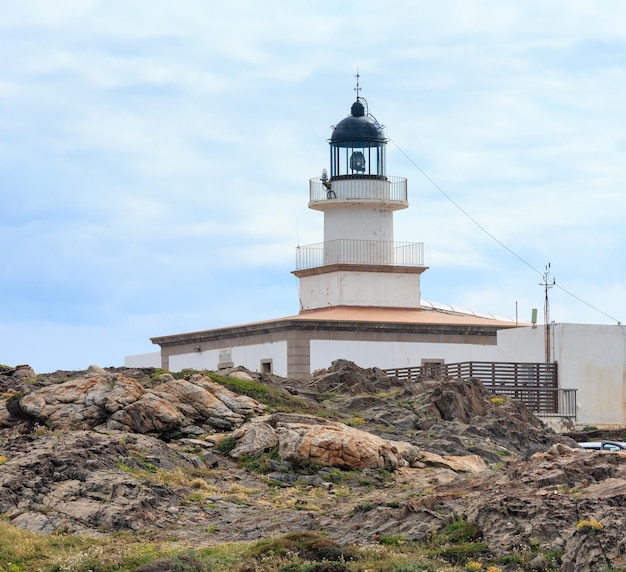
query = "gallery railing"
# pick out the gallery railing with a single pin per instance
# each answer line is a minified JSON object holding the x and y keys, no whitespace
{"x":349,"y":251}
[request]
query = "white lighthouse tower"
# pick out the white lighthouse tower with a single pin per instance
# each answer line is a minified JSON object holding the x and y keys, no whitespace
{"x":359,"y":288}
{"x":359,"y":264}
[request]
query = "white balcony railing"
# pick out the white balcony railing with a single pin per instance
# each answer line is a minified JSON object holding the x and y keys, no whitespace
{"x":359,"y":188}
{"x":347,"y":251}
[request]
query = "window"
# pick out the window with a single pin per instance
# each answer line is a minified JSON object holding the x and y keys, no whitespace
{"x":266,"y":366}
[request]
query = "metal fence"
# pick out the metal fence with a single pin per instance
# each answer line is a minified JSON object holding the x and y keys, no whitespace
{"x":355,"y":187}
{"x":544,"y":401}
{"x":536,"y":384}
{"x":349,"y":251}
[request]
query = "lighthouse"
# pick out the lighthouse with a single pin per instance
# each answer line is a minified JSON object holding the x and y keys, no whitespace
{"x":359,"y":264}
{"x":359,"y":289}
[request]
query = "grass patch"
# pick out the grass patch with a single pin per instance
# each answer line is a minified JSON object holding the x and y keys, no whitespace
{"x":274,"y":399}
{"x":459,"y":553}
{"x":23,"y":551}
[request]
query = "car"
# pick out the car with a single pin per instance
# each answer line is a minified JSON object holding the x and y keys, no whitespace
{"x":604,"y":445}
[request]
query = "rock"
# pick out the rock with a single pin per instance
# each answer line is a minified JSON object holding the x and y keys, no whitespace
{"x":346,"y":377}
{"x":458,"y":464}
{"x":336,"y":445}
{"x":6,"y":419}
{"x":112,"y":401}
{"x":381,"y":411}
{"x":24,"y":371}
{"x":239,"y":404}
{"x":152,"y":413}
{"x":241,"y":375}
{"x":96,"y":370}
{"x":459,"y":400}
{"x":254,"y":438}
{"x":16,"y":379}
{"x":77,"y":478}
{"x":537,"y":563}
{"x":304,"y":439}
{"x":34,"y":522}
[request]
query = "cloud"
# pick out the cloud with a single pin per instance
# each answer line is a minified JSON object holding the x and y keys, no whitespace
{"x":155,"y":158}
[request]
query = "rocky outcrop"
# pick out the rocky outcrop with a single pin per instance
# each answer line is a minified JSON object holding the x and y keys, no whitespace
{"x":419,"y":457}
{"x":73,"y":481}
{"x":114,"y":402}
{"x":343,"y":376}
{"x":16,"y":379}
{"x":304,"y":439}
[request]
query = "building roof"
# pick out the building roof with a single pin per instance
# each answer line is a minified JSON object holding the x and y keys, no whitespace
{"x":345,"y":318}
{"x":428,"y":314}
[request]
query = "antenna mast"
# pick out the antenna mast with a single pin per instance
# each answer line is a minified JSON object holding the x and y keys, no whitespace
{"x":547,"y":284}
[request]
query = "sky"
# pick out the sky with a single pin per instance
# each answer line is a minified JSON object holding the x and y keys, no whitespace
{"x":155,"y":158}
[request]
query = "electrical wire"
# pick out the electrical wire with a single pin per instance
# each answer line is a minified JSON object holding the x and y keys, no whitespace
{"x":483,"y":229}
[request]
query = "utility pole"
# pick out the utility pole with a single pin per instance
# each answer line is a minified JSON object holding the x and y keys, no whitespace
{"x":547,"y":284}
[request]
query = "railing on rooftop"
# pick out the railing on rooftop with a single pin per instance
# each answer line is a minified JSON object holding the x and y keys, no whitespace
{"x":350,"y":251}
{"x":362,"y":187}
{"x":536,"y":384}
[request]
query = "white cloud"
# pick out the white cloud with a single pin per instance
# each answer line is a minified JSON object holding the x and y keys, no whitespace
{"x":155,"y":157}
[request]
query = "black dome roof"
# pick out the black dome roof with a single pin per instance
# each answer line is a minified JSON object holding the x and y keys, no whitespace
{"x":358,"y":128}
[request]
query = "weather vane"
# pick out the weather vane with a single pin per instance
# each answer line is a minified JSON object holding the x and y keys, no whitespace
{"x":358,"y":87}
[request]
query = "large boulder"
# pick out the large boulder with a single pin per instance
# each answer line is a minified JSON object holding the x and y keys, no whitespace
{"x":336,"y":445}
{"x":305,"y":439}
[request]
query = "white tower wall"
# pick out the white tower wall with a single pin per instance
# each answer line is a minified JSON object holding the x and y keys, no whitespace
{"x":358,"y":223}
{"x":360,"y":288}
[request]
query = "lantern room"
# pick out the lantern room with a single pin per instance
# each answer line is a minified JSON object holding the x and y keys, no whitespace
{"x":357,"y":146}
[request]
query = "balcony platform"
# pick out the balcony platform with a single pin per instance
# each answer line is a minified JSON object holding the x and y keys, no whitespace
{"x":389,"y":193}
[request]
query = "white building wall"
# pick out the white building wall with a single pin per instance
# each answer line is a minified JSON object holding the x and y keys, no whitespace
{"x":395,"y":354}
{"x":248,"y":356}
{"x":591,"y":358}
{"x":521,"y":345}
{"x":151,"y":359}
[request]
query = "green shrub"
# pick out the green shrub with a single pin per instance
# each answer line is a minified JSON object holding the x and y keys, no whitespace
{"x":259,"y":464}
{"x":459,"y":530}
{"x":364,"y":507}
{"x":392,"y":540}
{"x":226,"y":445}
{"x":310,"y":546}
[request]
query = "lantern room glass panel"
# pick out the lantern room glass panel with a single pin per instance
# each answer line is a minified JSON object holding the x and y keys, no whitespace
{"x":357,"y":159}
